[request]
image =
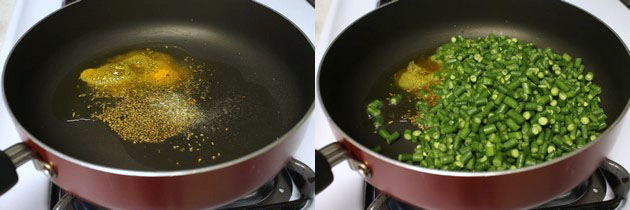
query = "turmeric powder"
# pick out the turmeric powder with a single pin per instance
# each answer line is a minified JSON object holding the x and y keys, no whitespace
{"x":134,"y":69}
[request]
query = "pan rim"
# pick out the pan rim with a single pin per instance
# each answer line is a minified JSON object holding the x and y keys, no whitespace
{"x":146,"y":173}
{"x":393,"y":162}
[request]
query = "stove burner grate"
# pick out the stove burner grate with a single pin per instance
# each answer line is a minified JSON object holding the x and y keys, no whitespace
{"x":589,"y":194}
{"x":275,"y":194}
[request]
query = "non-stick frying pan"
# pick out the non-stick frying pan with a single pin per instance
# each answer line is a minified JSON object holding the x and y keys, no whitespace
{"x":386,"y":39}
{"x":255,"y":55}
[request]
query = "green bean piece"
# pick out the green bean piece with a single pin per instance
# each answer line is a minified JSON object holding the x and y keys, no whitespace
{"x":378,"y":149}
{"x":463,"y":133}
{"x":470,"y":165}
{"x":416,"y":133}
{"x":499,"y":104}
{"x":515,"y":135}
{"x":490,"y":149}
{"x":494,"y":118}
{"x":494,"y":138}
{"x":563,"y":86}
{"x":472,"y":111}
{"x":417,"y":157}
{"x":488,"y":129}
{"x":395,"y":99}
{"x":376,"y":104}
{"x":378,"y":121}
{"x":543,"y":99}
{"x":448,"y":129}
{"x":510,"y":144}
{"x":459,"y":90}
{"x":498,"y":98}
{"x":407,"y":135}
{"x":512,"y":125}
{"x":517,"y":117}
{"x":526,"y":88}
{"x":383,"y":133}
{"x":520,"y":161}
{"x":393,"y":137}
{"x":530,"y":161}
{"x":589,"y":76}
{"x":556,"y":140}
{"x":502,"y":108}
{"x":511,"y":102}
{"x":585,"y":120}
{"x":535,"y":130}
{"x":448,"y":159}
{"x":527,"y":115}
{"x":373,"y":112}
{"x":501,"y":126}
{"x":497,"y":160}
{"x":514,"y":84}
{"x":405,"y":156}
{"x":476,"y":124}
{"x":437,"y":162}
{"x":481,"y":102}
{"x":543,"y":121}
{"x":566,"y":57}
{"x":601,"y":126}
{"x":415,"y":136}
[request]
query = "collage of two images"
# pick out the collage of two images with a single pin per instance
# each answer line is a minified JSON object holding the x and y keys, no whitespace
{"x":314,"y":104}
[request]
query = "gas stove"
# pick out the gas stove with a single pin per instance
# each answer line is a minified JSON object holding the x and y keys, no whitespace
{"x":34,"y":190}
{"x":295,"y":178}
{"x":350,"y":191}
{"x":607,"y":188}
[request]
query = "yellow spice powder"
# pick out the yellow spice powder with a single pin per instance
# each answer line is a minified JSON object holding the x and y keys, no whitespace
{"x":151,"y":95}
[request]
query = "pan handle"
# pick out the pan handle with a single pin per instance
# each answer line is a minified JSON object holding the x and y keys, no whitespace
{"x":10,"y":159}
{"x":323,"y":171}
{"x":328,"y":157}
{"x":15,"y":156}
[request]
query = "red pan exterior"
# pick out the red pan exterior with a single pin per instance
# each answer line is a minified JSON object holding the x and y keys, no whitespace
{"x":195,"y":191}
{"x":508,"y":191}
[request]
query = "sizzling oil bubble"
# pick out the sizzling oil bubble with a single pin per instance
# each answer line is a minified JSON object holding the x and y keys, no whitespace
{"x":136,"y":70}
{"x":151,"y":93}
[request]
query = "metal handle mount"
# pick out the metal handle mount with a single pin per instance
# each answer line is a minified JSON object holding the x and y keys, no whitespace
{"x":335,"y":153}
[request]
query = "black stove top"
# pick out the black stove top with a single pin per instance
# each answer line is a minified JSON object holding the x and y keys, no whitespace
{"x":275,"y":194}
{"x":589,"y":194}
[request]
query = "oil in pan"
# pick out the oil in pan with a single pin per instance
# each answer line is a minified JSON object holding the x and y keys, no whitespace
{"x":170,"y":110}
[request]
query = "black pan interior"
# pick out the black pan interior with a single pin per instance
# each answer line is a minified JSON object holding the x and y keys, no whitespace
{"x":255,"y":52}
{"x":385,"y":40}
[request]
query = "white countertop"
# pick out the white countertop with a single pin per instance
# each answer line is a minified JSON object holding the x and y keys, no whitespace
{"x":346,"y":191}
{"x":32,"y":190}
{"x":6,"y":10}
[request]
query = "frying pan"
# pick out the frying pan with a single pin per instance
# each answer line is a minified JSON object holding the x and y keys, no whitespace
{"x":254,"y":53}
{"x":387,"y":38}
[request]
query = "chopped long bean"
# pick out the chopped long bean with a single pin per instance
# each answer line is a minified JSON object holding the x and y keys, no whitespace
{"x":497,"y":103}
